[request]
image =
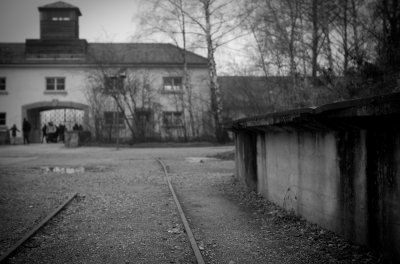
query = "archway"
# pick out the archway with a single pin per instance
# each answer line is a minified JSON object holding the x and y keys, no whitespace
{"x":37,"y":113}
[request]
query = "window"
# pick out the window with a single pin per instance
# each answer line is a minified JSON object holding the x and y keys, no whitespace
{"x":143,"y":116}
{"x":113,"y":83}
{"x":60,"y":18}
{"x":110,"y":118}
{"x":172,"y":84}
{"x":55,"y":84}
{"x":144,"y":122}
{"x":2,"y":119}
{"x":171,"y":119}
{"x":2,"y":83}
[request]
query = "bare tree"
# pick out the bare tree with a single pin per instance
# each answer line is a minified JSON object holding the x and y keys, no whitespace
{"x":211,"y":26}
{"x":277,"y":30}
{"x":387,"y":14}
{"x":131,"y":94}
{"x":168,"y":18}
{"x":216,"y":31}
{"x":96,"y":101}
{"x":315,"y":37}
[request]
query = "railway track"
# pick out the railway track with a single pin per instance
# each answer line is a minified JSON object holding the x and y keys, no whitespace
{"x":35,"y":229}
{"x":193,"y":244}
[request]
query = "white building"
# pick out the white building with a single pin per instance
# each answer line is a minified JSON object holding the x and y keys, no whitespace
{"x":50,"y":79}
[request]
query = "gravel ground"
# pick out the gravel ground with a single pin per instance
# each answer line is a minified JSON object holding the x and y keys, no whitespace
{"x":235,"y":226}
{"x":125,"y":214}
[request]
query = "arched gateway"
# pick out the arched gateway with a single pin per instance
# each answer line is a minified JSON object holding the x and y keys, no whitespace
{"x":58,"y":112}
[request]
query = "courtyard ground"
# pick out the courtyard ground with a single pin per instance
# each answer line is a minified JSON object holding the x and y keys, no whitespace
{"x":124,"y":212}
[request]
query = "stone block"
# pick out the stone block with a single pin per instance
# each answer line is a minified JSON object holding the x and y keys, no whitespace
{"x":71,"y":139}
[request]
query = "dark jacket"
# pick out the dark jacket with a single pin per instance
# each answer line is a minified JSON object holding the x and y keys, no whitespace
{"x":14,"y":130}
{"x":26,"y":126}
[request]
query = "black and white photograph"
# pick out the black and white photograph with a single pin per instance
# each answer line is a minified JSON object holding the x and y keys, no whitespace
{"x":199,"y":131}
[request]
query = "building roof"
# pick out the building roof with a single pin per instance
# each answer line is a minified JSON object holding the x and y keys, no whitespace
{"x":158,"y":53}
{"x":238,"y":82}
{"x":59,"y":4}
{"x":254,"y":84}
{"x":129,"y":54}
{"x":352,"y":113}
{"x":244,"y":96}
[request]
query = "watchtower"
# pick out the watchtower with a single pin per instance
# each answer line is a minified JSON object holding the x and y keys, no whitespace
{"x":59,"y":34}
{"x":59,"y":20}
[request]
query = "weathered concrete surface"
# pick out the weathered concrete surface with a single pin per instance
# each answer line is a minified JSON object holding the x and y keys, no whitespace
{"x":337,"y":165}
{"x":246,"y":145}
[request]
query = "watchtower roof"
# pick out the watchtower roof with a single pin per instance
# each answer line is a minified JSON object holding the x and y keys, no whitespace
{"x":59,"y":5}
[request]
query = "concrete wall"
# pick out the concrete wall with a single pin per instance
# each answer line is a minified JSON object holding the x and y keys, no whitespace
{"x":246,"y":157}
{"x":346,"y":178}
{"x":300,"y":172}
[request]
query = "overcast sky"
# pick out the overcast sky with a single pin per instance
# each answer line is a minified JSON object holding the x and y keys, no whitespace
{"x":101,"y":20}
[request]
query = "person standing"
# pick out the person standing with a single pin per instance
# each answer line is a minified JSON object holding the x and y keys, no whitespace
{"x":61,"y":132}
{"x":26,"y":129}
{"x":44,"y":133}
{"x":75,"y":127}
{"x":14,"y":131}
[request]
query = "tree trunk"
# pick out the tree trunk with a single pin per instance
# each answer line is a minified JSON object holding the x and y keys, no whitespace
{"x":327,"y":33}
{"x":216,"y":107}
{"x":186,"y":79}
{"x":345,"y":39}
{"x":354,"y":17}
{"x":314,"y":18}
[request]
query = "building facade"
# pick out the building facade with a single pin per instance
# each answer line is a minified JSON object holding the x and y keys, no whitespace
{"x":136,"y":91}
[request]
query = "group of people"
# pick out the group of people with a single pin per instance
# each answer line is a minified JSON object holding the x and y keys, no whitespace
{"x":77,"y":127}
{"x":26,"y":129}
{"x":50,"y":132}
{"x":53,"y":133}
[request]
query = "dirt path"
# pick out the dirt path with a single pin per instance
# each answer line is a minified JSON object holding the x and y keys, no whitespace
{"x":237,"y":227}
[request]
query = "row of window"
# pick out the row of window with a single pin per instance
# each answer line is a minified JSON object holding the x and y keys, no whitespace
{"x":171,"y":84}
{"x":61,"y":18}
{"x":52,"y":83}
{"x":170,"y":118}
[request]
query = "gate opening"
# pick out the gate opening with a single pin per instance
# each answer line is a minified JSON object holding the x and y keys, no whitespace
{"x":65,"y":116}
{"x":58,"y":112}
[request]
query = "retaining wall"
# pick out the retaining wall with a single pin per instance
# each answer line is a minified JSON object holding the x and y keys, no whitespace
{"x":337,"y":165}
